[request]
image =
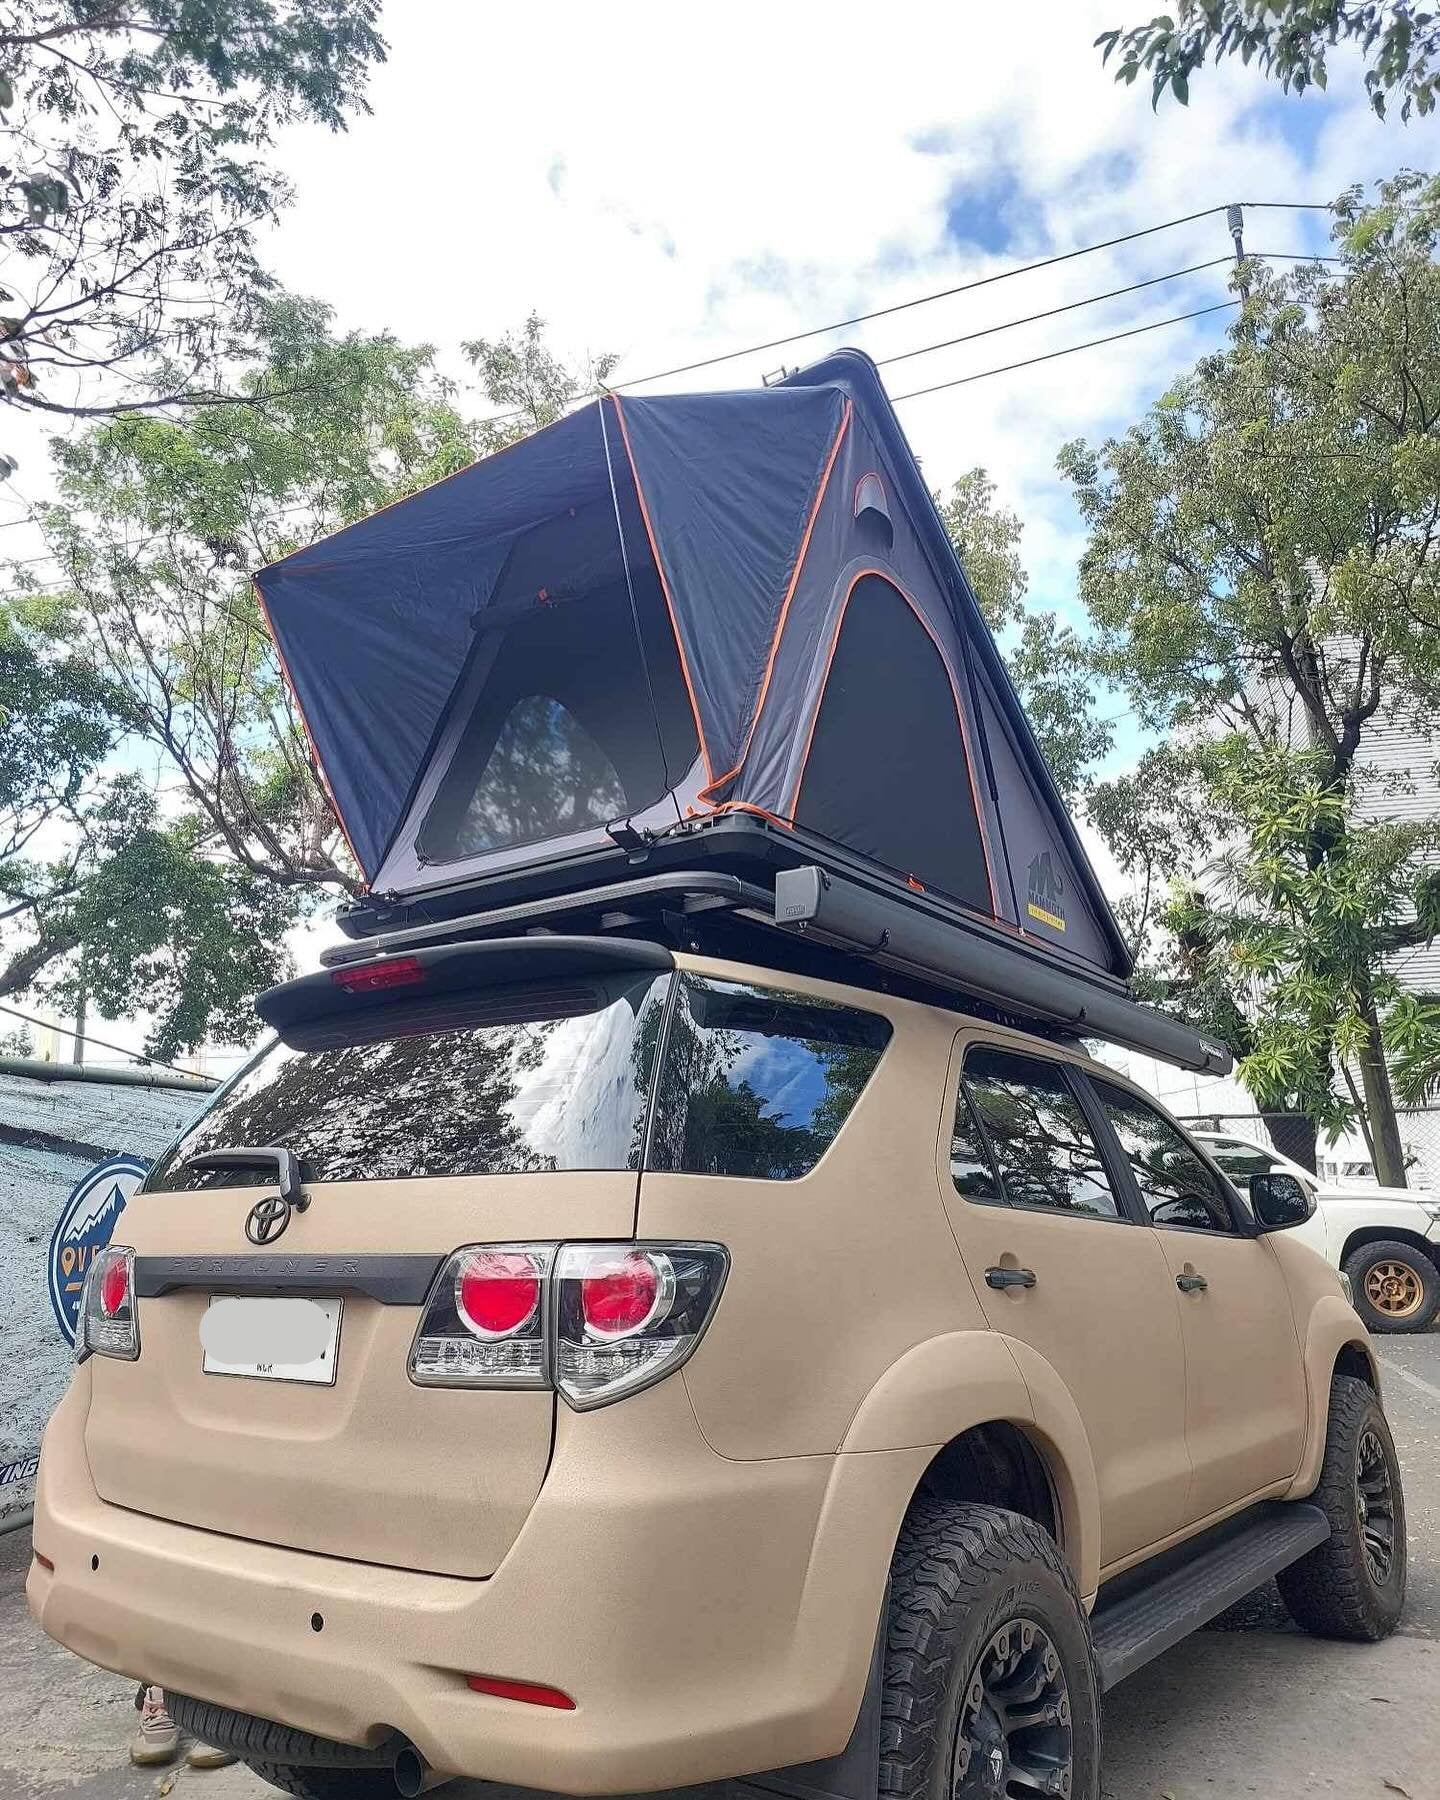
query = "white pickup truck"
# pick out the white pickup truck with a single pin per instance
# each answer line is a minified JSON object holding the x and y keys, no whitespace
{"x":1386,"y":1239}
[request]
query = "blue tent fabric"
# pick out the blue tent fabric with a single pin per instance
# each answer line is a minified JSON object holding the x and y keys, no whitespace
{"x":729,"y":542}
{"x":753,"y":515}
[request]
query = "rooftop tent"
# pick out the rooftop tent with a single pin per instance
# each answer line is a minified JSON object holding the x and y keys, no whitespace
{"x":662,"y":610}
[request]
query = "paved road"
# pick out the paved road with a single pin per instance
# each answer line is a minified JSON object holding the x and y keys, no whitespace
{"x":1252,"y":1707}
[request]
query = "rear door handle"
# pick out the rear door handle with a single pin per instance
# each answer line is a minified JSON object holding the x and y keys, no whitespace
{"x":1008,"y":1278}
{"x":1191,"y":1284}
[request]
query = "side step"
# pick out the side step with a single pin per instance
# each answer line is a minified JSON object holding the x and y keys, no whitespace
{"x":1145,"y":1612}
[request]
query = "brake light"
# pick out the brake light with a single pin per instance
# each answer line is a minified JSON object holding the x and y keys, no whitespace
{"x":108,"y":1322}
{"x":594,"y":1321}
{"x":621,"y":1295}
{"x":371,"y":977}
{"x":497,"y":1292}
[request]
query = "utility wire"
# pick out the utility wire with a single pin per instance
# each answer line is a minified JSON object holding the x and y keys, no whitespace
{"x":1070,"y":350}
{"x":1135,"y":287}
{"x":966,"y":287}
{"x":136,"y":1056}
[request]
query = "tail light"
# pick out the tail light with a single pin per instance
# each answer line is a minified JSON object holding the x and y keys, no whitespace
{"x":594,"y":1321}
{"x":108,"y":1324}
{"x":484,"y":1324}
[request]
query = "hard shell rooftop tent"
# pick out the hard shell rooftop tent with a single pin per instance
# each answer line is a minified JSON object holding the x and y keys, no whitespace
{"x":717,"y":632}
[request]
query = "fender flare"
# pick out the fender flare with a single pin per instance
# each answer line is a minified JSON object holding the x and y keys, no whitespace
{"x":947,"y":1385}
{"x":1333,"y":1326}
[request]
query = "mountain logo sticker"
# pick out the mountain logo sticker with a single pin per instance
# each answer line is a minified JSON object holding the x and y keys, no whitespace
{"x":86,"y":1225}
{"x":1047,"y":892}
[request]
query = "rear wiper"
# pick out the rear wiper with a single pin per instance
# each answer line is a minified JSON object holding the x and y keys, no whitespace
{"x":285,"y":1164}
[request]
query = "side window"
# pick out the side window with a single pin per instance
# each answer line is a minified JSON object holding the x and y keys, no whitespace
{"x":1044,"y":1152}
{"x":970,"y":1166}
{"x":758,"y":1083}
{"x":1176,"y":1186}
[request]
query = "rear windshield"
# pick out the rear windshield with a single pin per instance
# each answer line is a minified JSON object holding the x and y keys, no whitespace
{"x":755,"y":1082}
{"x":465,"y":1084}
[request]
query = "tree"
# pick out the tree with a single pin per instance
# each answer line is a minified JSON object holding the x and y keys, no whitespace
{"x":147,"y":649}
{"x":133,"y":184}
{"x":1289,"y":40}
{"x":1049,"y":663}
{"x":521,"y":373}
{"x":1263,"y":574}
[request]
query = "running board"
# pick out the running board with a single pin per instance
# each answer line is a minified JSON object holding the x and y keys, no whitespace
{"x":1151,"y":1611}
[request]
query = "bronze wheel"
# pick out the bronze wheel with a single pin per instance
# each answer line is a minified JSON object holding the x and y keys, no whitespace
{"x":1394,"y":1288}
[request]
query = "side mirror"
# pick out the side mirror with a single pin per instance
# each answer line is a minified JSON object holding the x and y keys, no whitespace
{"x":1280,"y":1201}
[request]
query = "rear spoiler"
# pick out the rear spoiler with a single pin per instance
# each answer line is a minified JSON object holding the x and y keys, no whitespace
{"x":368,"y":982}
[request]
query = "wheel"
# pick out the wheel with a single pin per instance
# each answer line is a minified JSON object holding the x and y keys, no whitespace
{"x":991,"y":1688}
{"x":1397,"y":1287}
{"x":1353,"y":1585}
{"x":326,"y":1784}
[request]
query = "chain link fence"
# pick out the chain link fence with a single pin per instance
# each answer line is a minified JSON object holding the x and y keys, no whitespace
{"x":57,"y":1122}
{"x":1347,"y":1162}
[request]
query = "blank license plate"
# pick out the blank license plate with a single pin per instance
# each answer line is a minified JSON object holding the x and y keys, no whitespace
{"x":271,"y":1338}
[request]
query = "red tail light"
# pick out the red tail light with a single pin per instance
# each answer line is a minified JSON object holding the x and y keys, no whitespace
{"x":594,"y":1321}
{"x":370,"y":977}
{"x":114,"y":1287}
{"x":497,"y":1292}
{"x":108,"y":1324}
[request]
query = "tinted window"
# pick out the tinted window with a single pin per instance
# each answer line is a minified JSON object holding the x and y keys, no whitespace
{"x":1176,"y":1186}
{"x":463,"y":1084}
{"x":1241,"y":1160}
{"x":756,"y":1082}
{"x":1043,"y":1148}
{"x":970,"y":1167}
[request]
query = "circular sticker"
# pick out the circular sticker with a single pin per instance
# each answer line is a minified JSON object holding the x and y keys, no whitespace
{"x":85,"y":1226}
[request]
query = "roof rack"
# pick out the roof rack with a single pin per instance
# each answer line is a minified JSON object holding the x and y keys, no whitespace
{"x":809,"y":917}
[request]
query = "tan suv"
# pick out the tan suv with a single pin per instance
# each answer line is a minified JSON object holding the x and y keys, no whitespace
{"x":580,"y":1364}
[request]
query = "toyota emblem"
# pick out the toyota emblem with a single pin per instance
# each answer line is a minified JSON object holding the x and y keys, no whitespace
{"x":267,"y":1219}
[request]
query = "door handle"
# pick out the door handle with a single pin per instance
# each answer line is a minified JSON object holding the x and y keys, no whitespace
{"x":1010,"y":1278}
{"x":1191,"y":1284}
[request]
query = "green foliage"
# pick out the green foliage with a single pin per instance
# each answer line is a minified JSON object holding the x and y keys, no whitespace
{"x":1412,"y":1037}
{"x":520,"y":373}
{"x":1289,"y":40}
{"x":1049,"y":663}
{"x":133,"y":182}
{"x":1263,"y":576}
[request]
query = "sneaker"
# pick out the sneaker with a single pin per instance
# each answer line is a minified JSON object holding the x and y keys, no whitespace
{"x":156,"y":1737}
{"x":209,"y":1756}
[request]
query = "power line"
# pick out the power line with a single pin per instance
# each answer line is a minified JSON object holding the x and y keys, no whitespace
{"x":137,"y":1056}
{"x":1070,"y":350}
{"x":965,"y":287}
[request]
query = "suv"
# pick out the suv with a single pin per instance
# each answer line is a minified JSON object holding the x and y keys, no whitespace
{"x":1386,"y":1239}
{"x":594,"y":1367}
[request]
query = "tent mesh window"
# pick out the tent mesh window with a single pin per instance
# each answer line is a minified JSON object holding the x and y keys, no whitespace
{"x":887,"y":773}
{"x":561,"y":736}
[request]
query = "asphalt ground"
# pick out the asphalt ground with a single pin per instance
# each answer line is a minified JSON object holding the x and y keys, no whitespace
{"x":1251,"y":1706}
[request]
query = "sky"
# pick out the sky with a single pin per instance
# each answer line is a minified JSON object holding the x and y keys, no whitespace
{"x":672,"y":183}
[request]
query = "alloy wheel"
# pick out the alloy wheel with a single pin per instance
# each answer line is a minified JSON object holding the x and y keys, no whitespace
{"x":1013,"y":1737}
{"x":1375,"y":1507}
{"x":1394,"y":1289}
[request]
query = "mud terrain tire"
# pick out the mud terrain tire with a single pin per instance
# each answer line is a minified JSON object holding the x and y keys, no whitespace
{"x":1417,"y":1290}
{"x":1353,"y":1585}
{"x":985,"y":1633}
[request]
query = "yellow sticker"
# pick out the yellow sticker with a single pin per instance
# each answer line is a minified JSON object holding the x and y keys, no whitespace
{"x":1045,"y":918}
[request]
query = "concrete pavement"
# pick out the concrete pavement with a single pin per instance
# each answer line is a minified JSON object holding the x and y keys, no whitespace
{"x":1250,"y":1707}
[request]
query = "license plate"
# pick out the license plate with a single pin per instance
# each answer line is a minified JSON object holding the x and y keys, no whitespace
{"x":271,"y":1338}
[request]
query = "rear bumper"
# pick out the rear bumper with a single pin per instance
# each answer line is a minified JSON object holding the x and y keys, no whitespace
{"x":710,"y":1618}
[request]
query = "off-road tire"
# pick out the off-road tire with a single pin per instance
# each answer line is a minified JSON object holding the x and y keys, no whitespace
{"x":1364,"y":1260}
{"x":326,"y":1784}
{"x":310,"y":1767}
{"x":1333,"y":1591}
{"x":960,"y":1574}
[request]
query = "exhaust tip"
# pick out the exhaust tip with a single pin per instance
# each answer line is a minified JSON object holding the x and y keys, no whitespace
{"x":411,"y":1771}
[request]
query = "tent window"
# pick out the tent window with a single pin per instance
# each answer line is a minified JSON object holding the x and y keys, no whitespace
{"x":560,"y":736}
{"x":887,"y":774}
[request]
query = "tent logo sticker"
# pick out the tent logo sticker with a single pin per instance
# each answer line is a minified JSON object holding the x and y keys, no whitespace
{"x":1047,"y":892}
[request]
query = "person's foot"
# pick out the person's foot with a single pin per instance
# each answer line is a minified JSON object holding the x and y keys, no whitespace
{"x":156,"y":1738}
{"x":209,"y":1756}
